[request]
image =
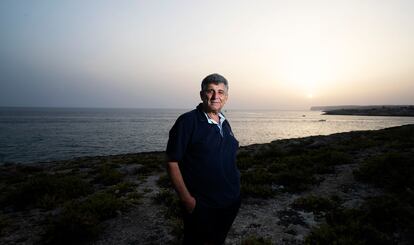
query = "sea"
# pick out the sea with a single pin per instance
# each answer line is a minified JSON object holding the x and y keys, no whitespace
{"x":36,"y":135}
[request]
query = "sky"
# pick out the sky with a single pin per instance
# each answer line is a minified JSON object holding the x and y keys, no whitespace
{"x":154,"y":54}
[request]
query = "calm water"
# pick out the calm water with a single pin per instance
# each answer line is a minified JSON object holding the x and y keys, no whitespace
{"x":44,"y":134}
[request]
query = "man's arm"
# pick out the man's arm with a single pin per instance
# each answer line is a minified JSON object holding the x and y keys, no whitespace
{"x":177,"y":180}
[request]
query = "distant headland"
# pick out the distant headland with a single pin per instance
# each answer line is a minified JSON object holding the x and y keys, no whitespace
{"x":373,"y":110}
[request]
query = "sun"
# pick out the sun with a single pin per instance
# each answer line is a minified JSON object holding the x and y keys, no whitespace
{"x":304,"y":79}
{"x":308,"y":69}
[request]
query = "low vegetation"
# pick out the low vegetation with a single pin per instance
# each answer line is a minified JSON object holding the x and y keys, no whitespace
{"x":108,"y":174}
{"x":4,"y":222}
{"x":255,"y":240}
{"x":385,"y":219}
{"x":392,"y":171}
{"x":380,"y":220}
{"x":80,"y":221}
{"x":292,"y":170}
{"x":75,"y":197}
{"x":316,"y":204}
{"x":44,"y":191}
{"x":172,"y":211}
{"x":297,"y":166}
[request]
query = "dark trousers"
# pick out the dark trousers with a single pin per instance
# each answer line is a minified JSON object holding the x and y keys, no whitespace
{"x":207,"y":225}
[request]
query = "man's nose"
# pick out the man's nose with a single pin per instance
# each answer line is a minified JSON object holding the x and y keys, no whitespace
{"x":213,"y":95}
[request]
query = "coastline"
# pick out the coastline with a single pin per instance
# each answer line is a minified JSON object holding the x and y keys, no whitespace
{"x":59,"y":135}
{"x":134,"y":203}
{"x":394,"y":111}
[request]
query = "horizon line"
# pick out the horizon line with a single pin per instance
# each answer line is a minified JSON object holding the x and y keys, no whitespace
{"x":182,"y":108}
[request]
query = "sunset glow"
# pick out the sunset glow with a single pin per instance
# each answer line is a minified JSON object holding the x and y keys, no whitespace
{"x":275,"y":54}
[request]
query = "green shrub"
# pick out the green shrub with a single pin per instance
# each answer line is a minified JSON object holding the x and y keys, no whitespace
{"x":79,"y":221}
{"x":399,"y":138}
{"x":295,"y":180}
{"x":271,"y":152}
{"x":257,"y":176}
{"x":177,"y":230}
{"x":151,"y":163}
{"x":169,"y":199}
{"x":108,"y":175}
{"x":324,"y":159}
{"x":389,"y":213}
{"x":278,"y":166}
{"x":315,"y":204}
{"x":134,"y":197}
{"x":172,"y":211}
{"x":255,"y":240}
{"x":149,"y":168}
{"x":375,"y":222}
{"x":347,"y":226}
{"x":358,"y":143}
{"x":164,"y":181}
{"x":393,"y":171}
{"x":294,"y":168}
{"x":16,"y":173}
{"x":257,"y":190}
{"x":46,"y":191}
{"x":102,"y":205}
{"x":294,"y":173}
{"x":245,"y":160}
{"x":4,"y":223}
{"x":72,"y":226}
{"x":257,"y":183}
{"x":122,"y":188}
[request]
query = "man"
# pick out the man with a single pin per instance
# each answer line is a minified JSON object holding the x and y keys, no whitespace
{"x":201,"y":154}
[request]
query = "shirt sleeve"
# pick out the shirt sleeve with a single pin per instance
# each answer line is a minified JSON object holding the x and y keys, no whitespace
{"x":179,"y":138}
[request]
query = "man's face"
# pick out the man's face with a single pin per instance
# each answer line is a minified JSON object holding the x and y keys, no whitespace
{"x":214,"y":97}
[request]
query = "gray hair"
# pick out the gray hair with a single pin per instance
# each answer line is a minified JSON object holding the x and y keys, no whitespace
{"x":214,"y":78}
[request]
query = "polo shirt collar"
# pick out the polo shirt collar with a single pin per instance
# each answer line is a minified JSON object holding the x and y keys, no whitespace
{"x":204,"y":117}
{"x":211,"y":121}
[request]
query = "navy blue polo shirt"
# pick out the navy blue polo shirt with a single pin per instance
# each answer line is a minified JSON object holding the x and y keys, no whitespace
{"x":207,"y":160}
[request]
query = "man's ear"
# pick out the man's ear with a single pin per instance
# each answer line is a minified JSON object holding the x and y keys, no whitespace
{"x":201,"y":95}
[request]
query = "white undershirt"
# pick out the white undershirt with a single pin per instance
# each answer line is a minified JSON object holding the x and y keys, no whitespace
{"x":220,"y":124}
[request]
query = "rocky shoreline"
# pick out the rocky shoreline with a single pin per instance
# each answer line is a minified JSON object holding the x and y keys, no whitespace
{"x":295,"y":191}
